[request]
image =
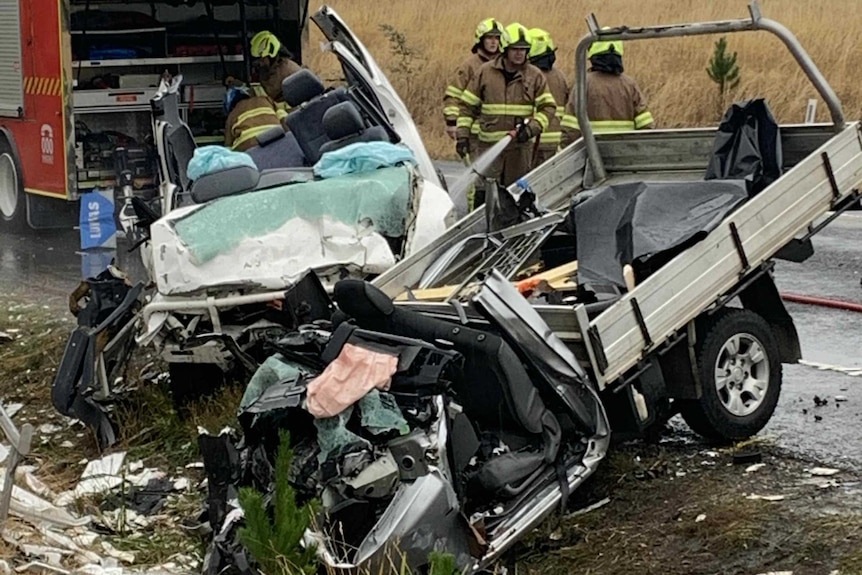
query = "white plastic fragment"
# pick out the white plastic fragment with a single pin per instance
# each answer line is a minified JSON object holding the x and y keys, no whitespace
{"x":123,"y":556}
{"x":589,"y":508}
{"x":13,"y":408}
{"x":33,"y":508}
{"x":755,"y":497}
{"x":823,"y":471}
{"x":51,"y":555}
{"x":67,"y":543}
{"x":755,"y":467}
{"x":100,"y":476}
{"x":40,"y":567}
{"x":700,"y":518}
{"x":49,"y":429}
{"x":143,"y":478}
{"x":86,"y":539}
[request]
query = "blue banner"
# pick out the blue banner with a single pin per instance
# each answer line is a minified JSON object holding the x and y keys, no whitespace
{"x":98,"y":229}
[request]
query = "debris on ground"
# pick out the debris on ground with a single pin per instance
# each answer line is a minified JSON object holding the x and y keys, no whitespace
{"x":823,"y":471}
{"x":747,"y":457}
{"x":755,"y":467}
{"x":756,"y":497}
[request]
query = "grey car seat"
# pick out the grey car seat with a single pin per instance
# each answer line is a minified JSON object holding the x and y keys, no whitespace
{"x":309,"y":101}
{"x":495,"y":390}
{"x":344,"y":126}
{"x":276,"y":149}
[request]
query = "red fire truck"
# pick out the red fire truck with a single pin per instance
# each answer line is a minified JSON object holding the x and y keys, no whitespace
{"x":76,"y":77}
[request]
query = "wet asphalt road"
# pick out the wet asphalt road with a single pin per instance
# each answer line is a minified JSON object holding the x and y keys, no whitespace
{"x":47,"y":266}
{"x":831,"y":339}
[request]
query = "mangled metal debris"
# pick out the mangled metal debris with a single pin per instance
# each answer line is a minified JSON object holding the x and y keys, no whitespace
{"x":412,"y":430}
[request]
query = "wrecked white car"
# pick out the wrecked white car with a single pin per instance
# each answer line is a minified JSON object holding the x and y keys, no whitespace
{"x":348,"y":191}
{"x":415,"y":434}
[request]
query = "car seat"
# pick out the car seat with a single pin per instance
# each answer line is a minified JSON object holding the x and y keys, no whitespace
{"x":309,"y":101}
{"x":344,"y":126}
{"x":495,"y":390}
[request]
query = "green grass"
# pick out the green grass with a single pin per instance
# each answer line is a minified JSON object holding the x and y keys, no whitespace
{"x":153,"y":431}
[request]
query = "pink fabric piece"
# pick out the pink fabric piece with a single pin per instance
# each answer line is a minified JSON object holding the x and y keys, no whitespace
{"x":354,"y":373}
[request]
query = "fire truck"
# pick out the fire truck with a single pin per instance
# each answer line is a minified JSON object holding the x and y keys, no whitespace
{"x":76,"y":77}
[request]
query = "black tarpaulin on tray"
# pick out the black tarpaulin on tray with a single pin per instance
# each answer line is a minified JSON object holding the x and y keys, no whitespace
{"x":647,"y":223}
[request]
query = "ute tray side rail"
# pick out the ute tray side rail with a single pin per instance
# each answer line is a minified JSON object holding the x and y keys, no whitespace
{"x":698,"y":278}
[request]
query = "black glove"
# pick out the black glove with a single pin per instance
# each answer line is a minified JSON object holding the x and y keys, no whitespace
{"x":524,"y":133}
{"x":462,"y":147}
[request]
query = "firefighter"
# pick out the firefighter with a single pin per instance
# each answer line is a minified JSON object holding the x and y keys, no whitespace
{"x":507,"y":96}
{"x":615,"y":103}
{"x":253,"y":111}
{"x":543,"y":54}
{"x":485,"y":47}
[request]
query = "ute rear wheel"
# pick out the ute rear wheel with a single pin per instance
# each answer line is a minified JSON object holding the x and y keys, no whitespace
{"x":13,"y":207}
{"x":740,"y":373}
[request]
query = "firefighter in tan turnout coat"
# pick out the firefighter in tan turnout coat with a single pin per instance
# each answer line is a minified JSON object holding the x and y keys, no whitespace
{"x":264,"y":107}
{"x":615,"y":103}
{"x":543,"y":55}
{"x":486,"y":47}
{"x":507,"y":95}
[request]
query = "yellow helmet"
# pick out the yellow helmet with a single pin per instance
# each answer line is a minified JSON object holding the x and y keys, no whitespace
{"x":265,"y":44}
{"x":515,"y":36}
{"x":488,"y":27}
{"x":540,"y":42}
{"x":605,"y":47}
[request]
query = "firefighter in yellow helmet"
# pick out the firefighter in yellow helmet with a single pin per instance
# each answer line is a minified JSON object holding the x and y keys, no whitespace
{"x":543,"y":54}
{"x":264,"y":107}
{"x":615,"y":102}
{"x":507,"y":94}
{"x":486,"y":46}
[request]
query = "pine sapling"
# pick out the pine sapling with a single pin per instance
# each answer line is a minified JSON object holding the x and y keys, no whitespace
{"x":275,"y":543}
{"x":724,"y":71}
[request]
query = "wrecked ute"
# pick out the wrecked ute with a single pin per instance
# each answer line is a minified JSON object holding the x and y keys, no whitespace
{"x":415,"y":434}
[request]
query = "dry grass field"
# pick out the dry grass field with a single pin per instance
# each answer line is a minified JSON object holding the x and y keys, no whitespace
{"x":438,"y":35}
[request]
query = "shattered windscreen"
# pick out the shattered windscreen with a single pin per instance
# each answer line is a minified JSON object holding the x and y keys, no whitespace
{"x":381,"y":197}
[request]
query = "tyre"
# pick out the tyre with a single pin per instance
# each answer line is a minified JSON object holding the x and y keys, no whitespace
{"x":740,"y":373}
{"x":13,"y":204}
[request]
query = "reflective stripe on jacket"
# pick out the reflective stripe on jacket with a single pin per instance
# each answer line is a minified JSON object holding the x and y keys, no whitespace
{"x":614,"y":104}
{"x":463,"y":75}
{"x":498,"y":107}
{"x":249,"y":119}
{"x":281,"y":107}
{"x":559,"y":88}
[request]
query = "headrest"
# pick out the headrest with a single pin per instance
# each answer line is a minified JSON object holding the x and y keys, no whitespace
{"x":361,"y":300}
{"x":227,"y":182}
{"x":342,"y":120}
{"x":272,"y":135}
{"x":301,"y":87}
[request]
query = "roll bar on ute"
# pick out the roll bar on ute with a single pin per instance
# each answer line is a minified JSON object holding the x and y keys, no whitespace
{"x":755,"y":22}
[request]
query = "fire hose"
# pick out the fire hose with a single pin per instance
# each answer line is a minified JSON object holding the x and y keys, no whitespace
{"x":824,"y":302}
